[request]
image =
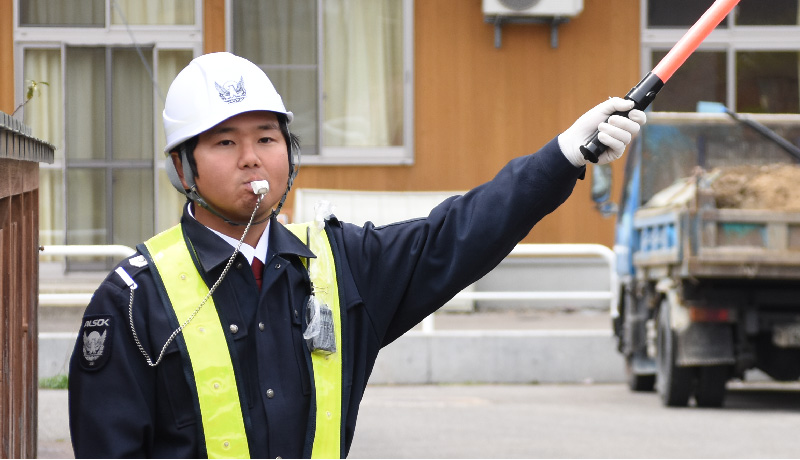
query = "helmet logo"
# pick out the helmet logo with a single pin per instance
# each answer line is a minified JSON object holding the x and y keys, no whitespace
{"x":231,"y":91}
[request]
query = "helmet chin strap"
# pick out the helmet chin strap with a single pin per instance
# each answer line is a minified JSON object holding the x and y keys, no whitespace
{"x":193,"y":195}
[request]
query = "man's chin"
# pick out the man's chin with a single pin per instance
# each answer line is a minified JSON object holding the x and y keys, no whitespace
{"x":242,"y":219}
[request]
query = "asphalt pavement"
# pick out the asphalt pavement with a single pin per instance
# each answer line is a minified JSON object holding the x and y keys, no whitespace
{"x":541,"y":421}
{"x":581,"y":419}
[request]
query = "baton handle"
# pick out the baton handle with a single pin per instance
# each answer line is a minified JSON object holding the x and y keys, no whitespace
{"x":642,"y":95}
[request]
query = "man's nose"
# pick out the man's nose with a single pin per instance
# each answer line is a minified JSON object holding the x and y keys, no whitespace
{"x":248,"y":156}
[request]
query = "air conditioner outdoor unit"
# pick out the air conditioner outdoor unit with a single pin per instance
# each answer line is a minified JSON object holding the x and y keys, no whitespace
{"x":540,"y":8}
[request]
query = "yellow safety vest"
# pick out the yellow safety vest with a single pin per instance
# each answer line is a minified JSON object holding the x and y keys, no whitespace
{"x":221,"y":408}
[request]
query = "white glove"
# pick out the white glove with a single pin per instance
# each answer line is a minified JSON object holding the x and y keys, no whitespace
{"x":616,"y":132}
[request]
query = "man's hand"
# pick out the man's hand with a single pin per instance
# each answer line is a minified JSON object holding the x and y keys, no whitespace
{"x":616,"y":133}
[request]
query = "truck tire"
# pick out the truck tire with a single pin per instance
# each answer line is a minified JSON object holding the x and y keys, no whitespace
{"x":632,"y":338}
{"x":711,"y":380}
{"x":674,"y":383}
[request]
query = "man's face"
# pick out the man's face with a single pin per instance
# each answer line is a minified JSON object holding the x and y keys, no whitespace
{"x":241,"y":149}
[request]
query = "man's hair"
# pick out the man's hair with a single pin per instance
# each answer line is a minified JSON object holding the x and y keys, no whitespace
{"x":292,"y":143}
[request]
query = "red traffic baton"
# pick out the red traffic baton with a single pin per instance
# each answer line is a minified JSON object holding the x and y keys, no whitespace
{"x":646,"y":90}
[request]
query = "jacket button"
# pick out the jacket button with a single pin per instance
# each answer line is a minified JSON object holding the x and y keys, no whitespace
{"x":234,"y":328}
{"x":277,"y":266}
{"x":270,"y":393}
{"x":239,"y":266}
{"x":260,"y":326}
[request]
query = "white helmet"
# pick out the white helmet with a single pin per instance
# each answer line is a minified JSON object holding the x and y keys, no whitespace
{"x":213,"y":88}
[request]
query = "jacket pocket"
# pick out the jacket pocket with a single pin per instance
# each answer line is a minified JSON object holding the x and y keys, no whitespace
{"x":174,"y":384}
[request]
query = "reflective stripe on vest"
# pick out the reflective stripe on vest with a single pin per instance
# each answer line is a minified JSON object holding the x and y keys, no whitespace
{"x":217,"y":392}
{"x":327,"y":367}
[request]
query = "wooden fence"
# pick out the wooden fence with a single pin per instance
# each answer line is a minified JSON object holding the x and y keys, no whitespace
{"x":20,"y":155}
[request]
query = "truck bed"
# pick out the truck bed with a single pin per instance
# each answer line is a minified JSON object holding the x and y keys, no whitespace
{"x":717,"y":243}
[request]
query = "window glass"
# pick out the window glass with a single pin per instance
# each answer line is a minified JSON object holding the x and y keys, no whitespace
{"x":701,"y":78}
{"x":276,"y":32}
{"x":767,"y":82}
{"x":133,"y":193}
{"x":62,"y":13}
{"x":85,"y":94}
{"x":86,"y":201}
{"x":359,"y":67}
{"x":111,"y":145}
{"x":132,"y":104}
{"x":298,"y":88}
{"x":281,"y":37}
{"x":363,"y":73}
{"x":44,"y":114}
{"x":152,"y":12}
{"x":51,"y":209}
{"x":677,"y":13}
{"x":767,"y":13}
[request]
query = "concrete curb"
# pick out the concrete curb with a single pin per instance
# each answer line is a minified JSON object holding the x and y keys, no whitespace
{"x":553,"y":356}
{"x":476,"y":356}
{"x":55,"y":349}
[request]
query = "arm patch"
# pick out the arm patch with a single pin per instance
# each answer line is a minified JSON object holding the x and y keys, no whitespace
{"x":96,"y":338}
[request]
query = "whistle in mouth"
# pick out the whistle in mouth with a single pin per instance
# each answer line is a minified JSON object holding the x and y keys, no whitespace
{"x":260,"y":187}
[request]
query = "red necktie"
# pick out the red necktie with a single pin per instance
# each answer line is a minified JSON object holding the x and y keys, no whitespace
{"x":258,"y":270}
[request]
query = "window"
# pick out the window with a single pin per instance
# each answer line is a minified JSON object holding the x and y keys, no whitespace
{"x":749,"y":63}
{"x":92,"y":13}
{"x":342,"y":66}
{"x":107,"y":65}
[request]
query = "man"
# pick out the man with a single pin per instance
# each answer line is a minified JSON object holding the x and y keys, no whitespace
{"x":274,"y":362}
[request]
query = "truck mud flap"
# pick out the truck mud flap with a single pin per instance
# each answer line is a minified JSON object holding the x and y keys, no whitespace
{"x":705,"y":344}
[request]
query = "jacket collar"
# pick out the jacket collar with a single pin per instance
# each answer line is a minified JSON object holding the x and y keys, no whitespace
{"x":212,"y":251}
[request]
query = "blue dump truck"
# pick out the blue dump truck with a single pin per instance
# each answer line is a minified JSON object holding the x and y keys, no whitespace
{"x":708,"y":252}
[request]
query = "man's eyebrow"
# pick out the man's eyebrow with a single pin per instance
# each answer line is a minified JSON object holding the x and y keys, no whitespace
{"x":221,"y":130}
{"x":269,"y":126}
{"x":228,"y":129}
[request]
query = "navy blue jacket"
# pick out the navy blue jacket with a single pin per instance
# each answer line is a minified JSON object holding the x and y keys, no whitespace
{"x":391,"y":277}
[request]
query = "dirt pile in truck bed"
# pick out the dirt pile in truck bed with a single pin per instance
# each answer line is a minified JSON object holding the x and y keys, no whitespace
{"x":775,"y":187}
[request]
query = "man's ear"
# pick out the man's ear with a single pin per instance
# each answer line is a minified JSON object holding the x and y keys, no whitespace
{"x":176,"y":161}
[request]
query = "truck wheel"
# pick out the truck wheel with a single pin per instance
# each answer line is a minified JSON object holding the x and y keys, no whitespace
{"x":711,"y":380}
{"x":674,"y":383}
{"x":638,"y":382}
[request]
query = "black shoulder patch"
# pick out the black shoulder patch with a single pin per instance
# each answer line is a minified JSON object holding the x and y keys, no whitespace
{"x":96,"y":337}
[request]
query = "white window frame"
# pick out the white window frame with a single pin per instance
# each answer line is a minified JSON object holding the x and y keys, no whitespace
{"x":389,"y":155}
{"x":732,"y":39}
{"x":159,"y":37}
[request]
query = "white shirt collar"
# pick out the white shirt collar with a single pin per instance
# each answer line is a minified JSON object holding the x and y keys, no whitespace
{"x":260,"y":251}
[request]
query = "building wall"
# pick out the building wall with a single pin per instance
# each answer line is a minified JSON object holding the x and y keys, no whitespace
{"x":6,"y":56}
{"x":476,"y":107}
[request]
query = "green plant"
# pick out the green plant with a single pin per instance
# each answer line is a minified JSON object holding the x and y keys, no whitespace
{"x":56,"y":382}
{"x":33,"y":88}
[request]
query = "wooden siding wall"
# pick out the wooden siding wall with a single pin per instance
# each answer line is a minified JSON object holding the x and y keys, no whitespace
{"x":476,"y":107}
{"x":19,"y":284}
{"x":6,"y":56}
